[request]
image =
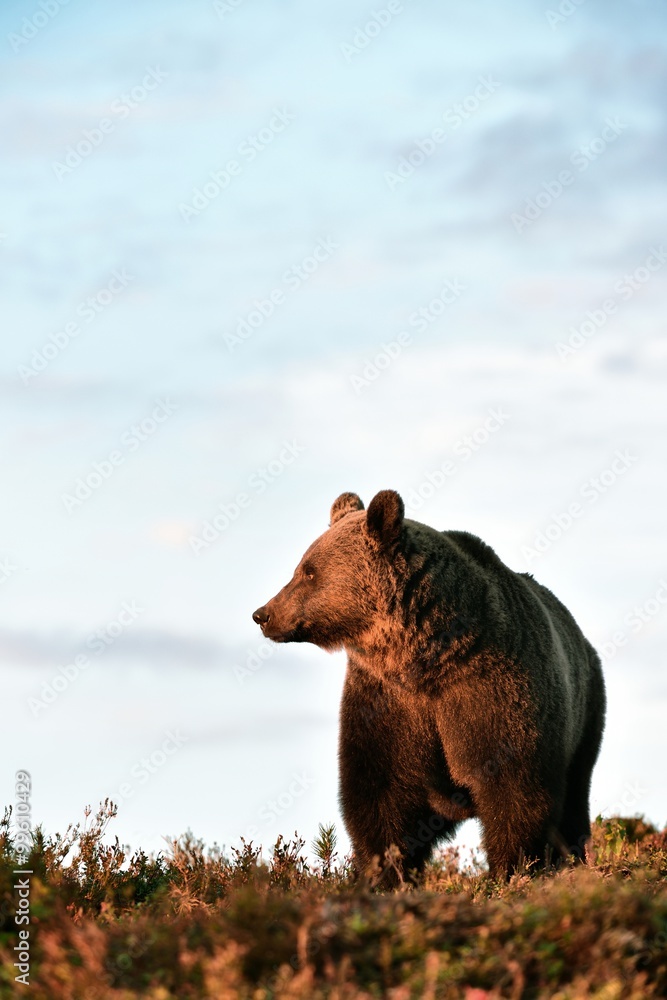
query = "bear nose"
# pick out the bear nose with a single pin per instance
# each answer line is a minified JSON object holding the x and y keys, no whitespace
{"x":261,"y":616}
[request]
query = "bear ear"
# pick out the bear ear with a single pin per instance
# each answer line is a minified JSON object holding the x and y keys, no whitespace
{"x":385,"y":517}
{"x":345,"y":504}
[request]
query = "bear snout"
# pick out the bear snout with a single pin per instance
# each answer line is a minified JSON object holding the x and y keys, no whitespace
{"x":275,"y":627}
{"x":270,"y":624}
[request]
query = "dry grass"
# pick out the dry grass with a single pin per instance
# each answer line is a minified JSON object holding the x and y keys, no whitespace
{"x":198,"y":924}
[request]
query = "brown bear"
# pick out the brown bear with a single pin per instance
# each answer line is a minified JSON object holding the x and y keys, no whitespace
{"x":470,"y":691}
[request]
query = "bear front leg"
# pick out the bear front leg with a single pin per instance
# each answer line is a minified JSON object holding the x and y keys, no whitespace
{"x":387,"y":751}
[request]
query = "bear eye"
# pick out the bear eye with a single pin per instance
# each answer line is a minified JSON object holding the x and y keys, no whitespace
{"x":309,"y":571}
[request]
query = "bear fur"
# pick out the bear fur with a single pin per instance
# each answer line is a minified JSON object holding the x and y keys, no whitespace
{"x":470,"y":691}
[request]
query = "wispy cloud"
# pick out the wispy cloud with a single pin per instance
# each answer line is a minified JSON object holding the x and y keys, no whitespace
{"x":153,"y":648}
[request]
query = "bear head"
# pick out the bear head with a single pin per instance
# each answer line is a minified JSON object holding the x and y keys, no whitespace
{"x":338,"y":589}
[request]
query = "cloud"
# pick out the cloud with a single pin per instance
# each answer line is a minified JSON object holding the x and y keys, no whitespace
{"x":155,"y":648}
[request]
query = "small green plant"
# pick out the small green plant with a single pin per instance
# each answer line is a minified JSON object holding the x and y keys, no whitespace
{"x":324,"y":848}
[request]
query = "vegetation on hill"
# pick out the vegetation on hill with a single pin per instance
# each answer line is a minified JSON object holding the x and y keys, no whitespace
{"x":106,"y":925}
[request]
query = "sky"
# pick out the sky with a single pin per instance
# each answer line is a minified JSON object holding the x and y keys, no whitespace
{"x":256,"y":254}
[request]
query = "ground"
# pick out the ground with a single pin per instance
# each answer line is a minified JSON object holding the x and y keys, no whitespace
{"x":198,"y":924}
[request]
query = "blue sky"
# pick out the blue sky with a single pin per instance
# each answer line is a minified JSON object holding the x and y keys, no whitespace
{"x":121,"y":352}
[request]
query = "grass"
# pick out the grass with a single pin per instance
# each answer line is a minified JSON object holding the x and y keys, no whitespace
{"x":106,"y":925}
